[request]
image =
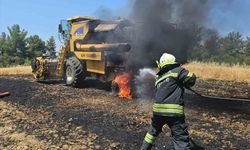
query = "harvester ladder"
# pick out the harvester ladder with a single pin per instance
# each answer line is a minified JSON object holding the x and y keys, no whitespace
{"x":61,"y":58}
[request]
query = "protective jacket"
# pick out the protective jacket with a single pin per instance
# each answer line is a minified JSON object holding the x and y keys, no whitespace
{"x":170,"y":85}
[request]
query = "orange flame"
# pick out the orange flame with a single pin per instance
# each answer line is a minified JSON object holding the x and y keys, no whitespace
{"x":124,"y":86}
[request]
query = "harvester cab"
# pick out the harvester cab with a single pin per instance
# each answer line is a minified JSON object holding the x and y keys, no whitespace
{"x":91,"y":48}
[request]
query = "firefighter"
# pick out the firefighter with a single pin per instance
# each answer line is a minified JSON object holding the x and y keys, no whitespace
{"x":168,"y":107}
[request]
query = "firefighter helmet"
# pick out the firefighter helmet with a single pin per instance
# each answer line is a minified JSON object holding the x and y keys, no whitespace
{"x":166,"y":59}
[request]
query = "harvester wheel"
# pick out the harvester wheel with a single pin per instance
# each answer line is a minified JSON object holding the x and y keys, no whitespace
{"x":75,"y":72}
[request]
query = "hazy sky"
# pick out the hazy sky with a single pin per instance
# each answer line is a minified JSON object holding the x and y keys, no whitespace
{"x":42,"y":17}
{"x":232,"y":17}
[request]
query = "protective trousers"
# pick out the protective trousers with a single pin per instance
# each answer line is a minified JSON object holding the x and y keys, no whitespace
{"x":178,"y":126}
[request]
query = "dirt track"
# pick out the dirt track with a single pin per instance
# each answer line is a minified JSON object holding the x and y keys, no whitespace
{"x":54,"y":116}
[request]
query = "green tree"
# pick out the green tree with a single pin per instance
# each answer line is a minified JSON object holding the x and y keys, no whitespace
{"x":51,"y":45}
{"x":13,"y":46}
{"x":233,"y":43}
{"x":2,"y":38}
{"x":211,"y":45}
{"x":248,"y":46}
{"x":2,"y":42}
{"x":35,"y":46}
{"x":17,"y":49}
{"x":16,"y":42}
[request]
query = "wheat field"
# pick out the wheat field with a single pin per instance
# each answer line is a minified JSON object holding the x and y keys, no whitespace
{"x":204,"y":71}
{"x":207,"y":71}
{"x":15,"y":70}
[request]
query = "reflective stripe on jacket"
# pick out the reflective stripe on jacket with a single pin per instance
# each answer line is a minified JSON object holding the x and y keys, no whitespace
{"x":165,"y":109}
{"x":168,"y":99}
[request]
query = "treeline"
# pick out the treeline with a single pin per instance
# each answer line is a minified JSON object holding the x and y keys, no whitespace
{"x":231,"y":49}
{"x":16,"y":48}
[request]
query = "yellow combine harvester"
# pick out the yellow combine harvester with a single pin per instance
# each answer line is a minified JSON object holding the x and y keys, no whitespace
{"x":91,"y":47}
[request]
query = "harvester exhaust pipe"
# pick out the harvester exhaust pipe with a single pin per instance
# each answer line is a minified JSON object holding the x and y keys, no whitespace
{"x":121,"y":47}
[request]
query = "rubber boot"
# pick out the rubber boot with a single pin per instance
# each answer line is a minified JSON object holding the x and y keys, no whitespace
{"x":146,"y":146}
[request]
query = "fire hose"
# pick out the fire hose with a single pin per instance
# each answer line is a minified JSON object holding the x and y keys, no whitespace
{"x":3,"y":94}
{"x":217,"y":97}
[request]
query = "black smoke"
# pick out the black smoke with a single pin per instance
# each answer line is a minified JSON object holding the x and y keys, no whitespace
{"x":172,"y":26}
{"x":105,"y":13}
{"x":158,"y":26}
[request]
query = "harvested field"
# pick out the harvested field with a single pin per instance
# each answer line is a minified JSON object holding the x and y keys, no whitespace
{"x":54,"y":116}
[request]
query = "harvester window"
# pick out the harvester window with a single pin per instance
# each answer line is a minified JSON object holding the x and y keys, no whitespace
{"x":79,"y":31}
{"x":65,"y":25}
{"x":64,"y":29}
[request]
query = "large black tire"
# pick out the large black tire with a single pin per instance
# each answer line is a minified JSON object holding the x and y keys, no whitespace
{"x":75,"y":72}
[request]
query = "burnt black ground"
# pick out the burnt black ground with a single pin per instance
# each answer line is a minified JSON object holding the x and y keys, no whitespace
{"x":89,"y":117}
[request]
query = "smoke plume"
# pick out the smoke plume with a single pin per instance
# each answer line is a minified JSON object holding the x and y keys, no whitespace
{"x":144,"y":84}
{"x":105,"y":13}
{"x":174,"y":26}
{"x":166,"y":26}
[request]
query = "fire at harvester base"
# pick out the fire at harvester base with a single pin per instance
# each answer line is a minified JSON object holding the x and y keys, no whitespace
{"x":121,"y":85}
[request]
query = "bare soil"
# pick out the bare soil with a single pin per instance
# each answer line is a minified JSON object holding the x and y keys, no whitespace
{"x":55,"y":116}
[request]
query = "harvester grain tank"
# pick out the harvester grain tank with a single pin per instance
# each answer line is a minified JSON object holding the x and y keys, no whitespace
{"x":91,"y":47}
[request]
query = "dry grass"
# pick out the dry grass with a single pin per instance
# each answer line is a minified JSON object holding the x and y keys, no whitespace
{"x":15,"y":70}
{"x":206,"y":71}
